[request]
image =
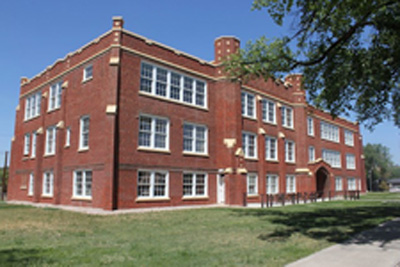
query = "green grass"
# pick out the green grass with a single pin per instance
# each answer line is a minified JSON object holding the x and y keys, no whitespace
{"x":206,"y":237}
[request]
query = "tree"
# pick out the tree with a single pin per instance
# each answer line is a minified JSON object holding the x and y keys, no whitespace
{"x":378,"y":163}
{"x":347,"y":50}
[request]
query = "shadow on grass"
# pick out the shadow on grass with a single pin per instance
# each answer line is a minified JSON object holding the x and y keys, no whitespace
{"x":23,"y":257}
{"x":335,"y":224}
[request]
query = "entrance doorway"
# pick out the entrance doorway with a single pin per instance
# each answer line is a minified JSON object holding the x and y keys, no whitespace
{"x":322,"y":177}
{"x":221,"y":189}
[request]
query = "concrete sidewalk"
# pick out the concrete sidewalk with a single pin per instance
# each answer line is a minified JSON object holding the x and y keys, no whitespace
{"x":376,"y":247}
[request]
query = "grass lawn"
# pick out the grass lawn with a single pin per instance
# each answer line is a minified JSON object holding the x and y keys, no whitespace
{"x":206,"y":237}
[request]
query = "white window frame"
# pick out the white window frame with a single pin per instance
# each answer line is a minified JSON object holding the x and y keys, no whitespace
{"x":33,"y":145}
{"x":272,"y":188}
{"x":348,"y":138}
{"x":194,"y":184}
{"x":194,"y":138}
{"x":48,"y":177}
{"x":267,"y":106}
{"x":287,"y":116}
{"x":332,"y":157}
{"x":197,"y":87}
{"x":290,"y":157}
{"x":252,"y":184}
{"x":153,"y":132}
{"x":271,"y":148}
{"x":246,"y":107}
{"x":32,"y":105}
{"x":55,"y":93}
{"x":27,"y":144}
{"x":350,"y":161}
{"x":85,"y":184}
{"x":50,"y":147}
{"x":31,"y":184}
{"x":291,"y":186}
{"x":338,"y":184}
{"x":68,"y":137}
{"x":152,"y":184}
{"x":310,"y":126}
{"x":351,"y":184}
{"x":330,"y":132}
{"x":245,"y":145}
{"x":87,"y":73}
{"x":84,"y":135}
{"x":311,"y":153}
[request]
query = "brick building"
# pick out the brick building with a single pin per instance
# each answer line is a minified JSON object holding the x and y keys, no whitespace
{"x":126,"y":122}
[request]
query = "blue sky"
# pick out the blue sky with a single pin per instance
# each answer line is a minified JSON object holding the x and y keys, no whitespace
{"x":34,"y":34}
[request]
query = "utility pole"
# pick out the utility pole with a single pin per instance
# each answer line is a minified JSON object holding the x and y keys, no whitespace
{"x":4,"y":177}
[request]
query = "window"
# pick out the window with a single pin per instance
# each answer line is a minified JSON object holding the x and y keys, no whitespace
{"x":332,"y":158}
{"x":153,"y":132}
{"x":194,"y":138}
{"x":68,"y":137}
{"x":290,"y":184}
{"x":329,"y":132}
{"x":50,"y":140}
{"x":152,"y":184}
{"x":32,"y":105}
{"x":88,"y":73}
{"x":351,"y":183}
{"x":271,"y":151}
{"x":272,"y":184}
{"x":55,"y":96}
{"x":268,"y":111}
{"x":33,"y":146}
{"x":31,"y":184}
{"x":310,"y":126}
{"x":338,"y":184}
{"x":194,"y":184}
{"x":82,"y":184}
{"x":84,"y":132}
{"x":289,"y":151}
{"x":311,"y":154}
{"x":249,"y":145}
{"x":171,"y":85}
{"x":252,"y":184}
{"x":47,"y":189}
{"x":350,"y":162}
{"x":348,"y":138}
{"x":248,"y":105}
{"x":287,"y":116}
{"x":27,"y":143}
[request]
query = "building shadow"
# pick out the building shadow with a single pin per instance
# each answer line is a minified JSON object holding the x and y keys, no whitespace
{"x":337,"y":225}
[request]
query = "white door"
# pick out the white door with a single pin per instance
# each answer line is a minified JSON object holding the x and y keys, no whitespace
{"x":221,"y":189}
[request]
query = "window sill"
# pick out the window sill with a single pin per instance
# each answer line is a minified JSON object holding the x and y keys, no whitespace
{"x":46,"y":196}
{"x":251,"y":159}
{"x":33,"y":157}
{"x":30,"y":195}
{"x":253,"y":196}
{"x":195,"y":198}
{"x":81,"y":150}
{"x":290,"y":162}
{"x":23,"y":187}
{"x":312,"y":136}
{"x":87,"y":80}
{"x":194,"y":154}
{"x":53,"y":110}
{"x":288,"y":128}
{"x":32,"y":118}
{"x":49,"y":155}
{"x":141,"y":93}
{"x":152,"y":199}
{"x":81,"y":198}
{"x":66,"y":146}
{"x":249,"y":118}
{"x":270,"y":123}
{"x":25,"y":158}
{"x":272,"y":160}
{"x":155,"y":150}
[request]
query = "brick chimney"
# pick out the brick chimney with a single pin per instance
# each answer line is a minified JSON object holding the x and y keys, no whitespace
{"x":118,"y":22}
{"x":224,"y":46}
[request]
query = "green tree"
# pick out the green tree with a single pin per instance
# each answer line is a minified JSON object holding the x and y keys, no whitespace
{"x":378,"y":163}
{"x":347,"y":50}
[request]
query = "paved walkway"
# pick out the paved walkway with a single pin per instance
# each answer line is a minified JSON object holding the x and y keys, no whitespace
{"x":377,"y":247}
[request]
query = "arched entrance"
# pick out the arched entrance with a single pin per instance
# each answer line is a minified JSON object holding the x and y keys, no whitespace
{"x":322,"y":177}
